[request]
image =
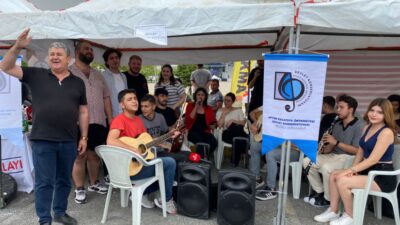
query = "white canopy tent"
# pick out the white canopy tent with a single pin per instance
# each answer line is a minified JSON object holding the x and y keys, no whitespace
{"x":198,"y":31}
{"x":357,"y":24}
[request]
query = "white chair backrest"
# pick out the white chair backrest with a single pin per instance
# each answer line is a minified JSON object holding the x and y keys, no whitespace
{"x":117,"y":161}
{"x":396,"y":158}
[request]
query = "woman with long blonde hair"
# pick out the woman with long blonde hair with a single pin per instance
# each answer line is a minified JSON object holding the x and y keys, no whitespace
{"x":375,"y":153}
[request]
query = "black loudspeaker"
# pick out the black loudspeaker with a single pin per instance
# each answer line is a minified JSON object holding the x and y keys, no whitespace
{"x":194,"y":190}
{"x":236,"y":200}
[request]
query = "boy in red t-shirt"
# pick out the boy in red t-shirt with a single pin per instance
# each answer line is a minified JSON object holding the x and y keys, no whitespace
{"x":127,"y":124}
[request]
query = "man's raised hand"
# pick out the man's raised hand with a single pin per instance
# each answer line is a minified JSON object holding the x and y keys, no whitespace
{"x":23,"y":39}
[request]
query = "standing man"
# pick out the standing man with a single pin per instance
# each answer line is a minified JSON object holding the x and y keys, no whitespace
{"x":256,"y":81}
{"x":200,"y":78}
{"x":115,"y":80}
{"x":215,"y":98}
{"x":161,"y":95}
{"x":135,"y":79}
{"x":99,"y":105}
{"x":60,"y":103}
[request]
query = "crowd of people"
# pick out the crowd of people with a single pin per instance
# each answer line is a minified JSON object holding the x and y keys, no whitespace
{"x":79,"y":108}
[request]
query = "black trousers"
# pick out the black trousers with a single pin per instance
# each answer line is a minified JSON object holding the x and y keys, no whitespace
{"x":204,"y":137}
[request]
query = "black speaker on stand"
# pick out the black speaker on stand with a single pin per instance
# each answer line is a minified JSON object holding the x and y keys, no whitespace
{"x":194,"y":190}
{"x":236,"y":199}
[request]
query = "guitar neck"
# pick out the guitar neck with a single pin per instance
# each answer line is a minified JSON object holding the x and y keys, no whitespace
{"x":158,"y":140}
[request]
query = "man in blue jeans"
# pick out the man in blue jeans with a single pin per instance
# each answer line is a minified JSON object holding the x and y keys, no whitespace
{"x":59,"y":103}
{"x":273,"y":157}
{"x":127,"y":124}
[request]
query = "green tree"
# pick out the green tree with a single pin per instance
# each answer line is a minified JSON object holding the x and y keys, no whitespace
{"x":184,"y":72}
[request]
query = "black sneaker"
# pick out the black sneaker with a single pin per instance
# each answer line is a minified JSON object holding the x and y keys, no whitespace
{"x":311,"y":198}
{"x":265,"y":194}
{"x":320,"y":202}
{"x":65,"y":219}
{"x":259,"y":183}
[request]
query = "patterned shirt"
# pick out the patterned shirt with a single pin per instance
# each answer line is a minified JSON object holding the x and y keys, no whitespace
{"x":174,"y":91}
{"x":96,"y":91}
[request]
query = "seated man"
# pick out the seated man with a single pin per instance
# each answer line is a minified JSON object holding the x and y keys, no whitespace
{"x":273,"y":157}
{"x":161,"y":95}
{"x":127,"y":124}
{"x":156,"y":126}
{"x":339,"y":147}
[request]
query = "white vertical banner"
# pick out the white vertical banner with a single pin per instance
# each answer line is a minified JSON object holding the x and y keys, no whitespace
{"x":293,"y":92}
{"x":16,"y":157}
{"x":10,"y":98}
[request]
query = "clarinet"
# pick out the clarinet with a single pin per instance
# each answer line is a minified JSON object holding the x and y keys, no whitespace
{"x":321,"y":144}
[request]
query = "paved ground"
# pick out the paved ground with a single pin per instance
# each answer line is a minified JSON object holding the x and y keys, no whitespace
{"x":21,"y":212}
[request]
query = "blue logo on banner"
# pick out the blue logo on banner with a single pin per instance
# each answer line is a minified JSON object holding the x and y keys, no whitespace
{"x":288,"y":89}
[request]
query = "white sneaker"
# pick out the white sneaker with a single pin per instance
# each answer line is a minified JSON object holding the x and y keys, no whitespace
{"x":80,"y":196}
{"x":146,"y":202}
{"x":171,"y":207}
{"x":326,"y":216}
{"x":343,"y":220}
{"x":97,"y":187}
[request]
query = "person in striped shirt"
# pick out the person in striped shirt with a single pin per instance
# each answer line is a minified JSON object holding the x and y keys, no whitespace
{"x":176,"y":92}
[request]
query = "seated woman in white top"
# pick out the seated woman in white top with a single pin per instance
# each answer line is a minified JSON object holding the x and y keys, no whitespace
{"x":231,"y":119}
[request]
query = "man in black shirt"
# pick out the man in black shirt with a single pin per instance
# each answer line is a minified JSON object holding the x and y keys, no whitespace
{"x":135,"y":79}
{"x":328,"y":109}
{"x":256,"y":81}
{"x":59,"y":100}
{"x":161,"y":95}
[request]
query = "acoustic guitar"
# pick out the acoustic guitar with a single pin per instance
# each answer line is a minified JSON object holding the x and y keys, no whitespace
{"x":143,"y":143}
{"x":258,"y":135}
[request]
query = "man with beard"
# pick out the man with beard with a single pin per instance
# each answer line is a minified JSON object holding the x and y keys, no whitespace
{"x":135,"y":79}
{"x":99,"y":104}
{"x":161,"y":95}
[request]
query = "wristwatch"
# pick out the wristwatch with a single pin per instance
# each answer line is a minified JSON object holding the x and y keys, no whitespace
{"x":84,"y":138}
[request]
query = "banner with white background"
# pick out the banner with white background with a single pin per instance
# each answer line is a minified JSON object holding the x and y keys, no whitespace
{"x":293,"y":92}
{"x":16,"y":157}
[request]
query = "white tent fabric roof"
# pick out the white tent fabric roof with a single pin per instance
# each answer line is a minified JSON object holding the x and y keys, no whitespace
{"x":15,"y":6}
{"x":356,"y":24}
{"x":205,"y":31}
{"x":196,"y":26}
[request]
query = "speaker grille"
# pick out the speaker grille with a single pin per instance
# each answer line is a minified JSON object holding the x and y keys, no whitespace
{"x":193,"y":199}
{"x":236,"y":207}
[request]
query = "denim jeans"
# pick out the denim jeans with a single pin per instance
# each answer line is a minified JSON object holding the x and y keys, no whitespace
{"x":169,"y":167}
{"x":53,"y":163}
{"x":272,"y":158}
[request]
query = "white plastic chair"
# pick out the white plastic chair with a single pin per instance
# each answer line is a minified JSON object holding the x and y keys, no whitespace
{"x":361,"y":195}
{"x":117,"y":161}
{"x":297,"y":168}
{"x":219,"y":153}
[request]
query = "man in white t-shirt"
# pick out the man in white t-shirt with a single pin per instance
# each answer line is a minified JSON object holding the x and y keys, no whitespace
{"x":200,"y":78}
{"x":115,"y":80}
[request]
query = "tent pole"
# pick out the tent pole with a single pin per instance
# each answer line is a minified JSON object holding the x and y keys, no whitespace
{"x":298,"y":29}
{"x":285,"y":156}
{"x":291,"y":37}
{"x":278,"y":219}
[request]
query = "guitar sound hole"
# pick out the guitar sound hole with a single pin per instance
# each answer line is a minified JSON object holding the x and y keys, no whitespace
{"x":142,"y":148}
